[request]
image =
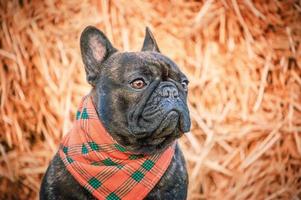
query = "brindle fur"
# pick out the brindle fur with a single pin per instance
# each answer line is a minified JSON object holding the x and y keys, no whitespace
{"x":134,"y":118}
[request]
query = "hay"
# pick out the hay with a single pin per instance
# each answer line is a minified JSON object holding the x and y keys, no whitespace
{"x":243,"y":59}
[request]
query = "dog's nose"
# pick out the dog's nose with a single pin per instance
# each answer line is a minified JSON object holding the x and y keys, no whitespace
{"x":170,"y":91}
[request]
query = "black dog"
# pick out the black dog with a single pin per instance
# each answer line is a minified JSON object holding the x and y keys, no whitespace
{"x":140,"y":98}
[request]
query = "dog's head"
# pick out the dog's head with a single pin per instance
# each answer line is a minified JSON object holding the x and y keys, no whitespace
{"x":140,"y":96}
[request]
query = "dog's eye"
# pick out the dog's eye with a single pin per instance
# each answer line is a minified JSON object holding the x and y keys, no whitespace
{"x":138,"y":83}
{"x":185,"y":84}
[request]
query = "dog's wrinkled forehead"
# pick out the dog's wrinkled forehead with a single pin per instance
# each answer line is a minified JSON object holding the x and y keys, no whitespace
{"x":147,"y":63}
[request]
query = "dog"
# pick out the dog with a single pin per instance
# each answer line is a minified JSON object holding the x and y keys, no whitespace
{"x":140,"y":99}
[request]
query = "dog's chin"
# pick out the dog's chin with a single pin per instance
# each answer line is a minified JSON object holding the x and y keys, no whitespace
{"x":153,"y":145}
{"x":166,"y":133}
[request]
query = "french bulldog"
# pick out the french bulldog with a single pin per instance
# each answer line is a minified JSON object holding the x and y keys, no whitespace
{"x":141,"y":100}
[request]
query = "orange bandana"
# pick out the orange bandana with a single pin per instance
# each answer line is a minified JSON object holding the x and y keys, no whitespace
{"x":103,"y":166}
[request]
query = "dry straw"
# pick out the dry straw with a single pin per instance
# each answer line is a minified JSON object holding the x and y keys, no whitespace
{"x":243,"y":59}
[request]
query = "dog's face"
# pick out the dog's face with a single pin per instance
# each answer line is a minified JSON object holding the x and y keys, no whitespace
{"x":140,"y":96}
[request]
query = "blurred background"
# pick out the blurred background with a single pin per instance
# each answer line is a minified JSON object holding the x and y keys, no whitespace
{"x":243,"y":60}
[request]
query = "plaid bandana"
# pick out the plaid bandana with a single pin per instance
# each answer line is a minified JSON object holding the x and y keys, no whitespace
{"x":103,"y":166}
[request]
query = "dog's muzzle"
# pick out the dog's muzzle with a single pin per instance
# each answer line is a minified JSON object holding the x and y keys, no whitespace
{"x":164,"y":112}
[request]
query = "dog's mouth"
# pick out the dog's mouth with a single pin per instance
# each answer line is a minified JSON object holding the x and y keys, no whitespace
{"x":168,"y":129}
{"x":165,"y":134}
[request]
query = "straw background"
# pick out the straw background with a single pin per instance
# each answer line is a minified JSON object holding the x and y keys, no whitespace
{"x":243,"y":59}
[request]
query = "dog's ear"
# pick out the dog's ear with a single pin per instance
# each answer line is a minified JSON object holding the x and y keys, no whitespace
{"x":149,"y":43}
{"x":95,"y":49}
